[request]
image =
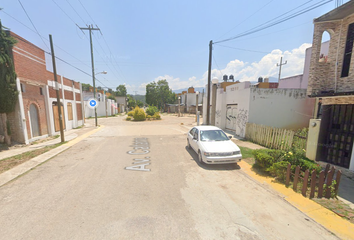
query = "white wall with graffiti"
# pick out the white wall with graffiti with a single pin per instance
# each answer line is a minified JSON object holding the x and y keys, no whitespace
{"x":237,"y":108}
{"x":281,"y":108}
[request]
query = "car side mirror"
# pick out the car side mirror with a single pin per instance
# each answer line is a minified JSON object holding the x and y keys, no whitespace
{"x":195,"y":138}
{"x":230,"y":137}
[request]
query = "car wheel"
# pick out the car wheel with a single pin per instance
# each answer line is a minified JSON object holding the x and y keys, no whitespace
{"x":188,"y":145}
{"x":200,"y":159}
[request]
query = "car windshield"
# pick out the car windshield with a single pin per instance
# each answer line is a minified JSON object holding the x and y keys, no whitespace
{"x":213,"y":135}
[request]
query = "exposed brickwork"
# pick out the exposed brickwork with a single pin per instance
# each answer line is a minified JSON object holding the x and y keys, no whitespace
{"x":77,"y":85}
{"x":78,"y":96}
{"x":30,"y":67}
{"x":325,"y":76}
{"x":32,"y":96}
{"x":68,"y":95}
{"x":53,"y":93}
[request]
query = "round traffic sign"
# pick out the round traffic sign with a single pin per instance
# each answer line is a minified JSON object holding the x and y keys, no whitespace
{"x":92,"y":103}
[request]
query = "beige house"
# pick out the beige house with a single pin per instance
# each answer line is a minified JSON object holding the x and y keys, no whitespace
{"x":331,"y":83}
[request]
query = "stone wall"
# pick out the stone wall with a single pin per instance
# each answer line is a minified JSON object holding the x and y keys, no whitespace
{"x":325,"y":75}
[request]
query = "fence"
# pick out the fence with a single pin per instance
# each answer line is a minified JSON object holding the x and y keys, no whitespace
{"x":324,"y":184}
{"x":270,"y":137}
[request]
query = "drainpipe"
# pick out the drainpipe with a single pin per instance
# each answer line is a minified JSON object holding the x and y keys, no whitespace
{"x":335,"y":73}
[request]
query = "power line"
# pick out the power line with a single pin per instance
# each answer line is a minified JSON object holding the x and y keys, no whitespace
{"x":87,"y":12}
{"x":32,"y":23}
{"x":246,"y":19}
{"x":75,"y":11}
{"x":46,"y":39}
{"x":65,"y":13}
{"x":241,"y":49}
{"x":259,"y":28}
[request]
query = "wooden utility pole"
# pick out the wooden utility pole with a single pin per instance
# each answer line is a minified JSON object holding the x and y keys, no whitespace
{"x":91,"y":28}
{"x":279,"y":65}
{"x":209,"y":81}
{"x":57,"y":91}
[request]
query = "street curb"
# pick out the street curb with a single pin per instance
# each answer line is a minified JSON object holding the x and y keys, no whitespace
{"x":17,"y":171}
{"x":321,"y":215}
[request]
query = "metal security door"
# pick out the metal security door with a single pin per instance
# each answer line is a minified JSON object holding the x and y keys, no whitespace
{"x":231,"y":112}
{"x":34,"y":120}
{"x":339,"y":147}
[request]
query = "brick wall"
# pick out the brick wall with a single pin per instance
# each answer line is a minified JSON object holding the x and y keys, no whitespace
{"x":29,"y":60}
{"x":325,"y":76}
{"x":32,"y":96}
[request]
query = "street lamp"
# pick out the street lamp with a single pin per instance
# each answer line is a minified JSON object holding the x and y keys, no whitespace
{"x":94,"y":93}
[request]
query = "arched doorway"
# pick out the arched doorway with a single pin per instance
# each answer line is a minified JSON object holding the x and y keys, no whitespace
{"x":34,"y":121}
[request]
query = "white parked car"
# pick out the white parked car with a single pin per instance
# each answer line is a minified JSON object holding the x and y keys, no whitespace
{"x":212,"y":145}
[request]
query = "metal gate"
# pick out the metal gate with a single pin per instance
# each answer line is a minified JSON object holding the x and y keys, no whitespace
{"x":34,"y":121}
{"x":231,"y":112}
{"x":340,"y":135}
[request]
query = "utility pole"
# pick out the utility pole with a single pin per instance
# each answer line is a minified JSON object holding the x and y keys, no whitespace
{"x":135,"y":97}
{"x":279,"y":65}
{"x":91,"y":28}
{"x":57,"y":91}
{"x":209,"y":80}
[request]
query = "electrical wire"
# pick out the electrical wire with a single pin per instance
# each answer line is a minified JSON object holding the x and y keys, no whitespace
{"x":241,"y":49}
{"x":246,"y":19}
{"x":32,"y":23}
{"x":65,"y":13}
{"x":76,"y":12}
{"x":259,"y":28}
{"x":46,"y":39}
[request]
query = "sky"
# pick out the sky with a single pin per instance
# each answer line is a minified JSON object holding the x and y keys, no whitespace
{"x":144,"y":41}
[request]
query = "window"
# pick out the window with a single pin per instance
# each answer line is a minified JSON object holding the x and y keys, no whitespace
{"x":41,"y":91}
{"x":70,"y":111}
{"x":348,"y":51}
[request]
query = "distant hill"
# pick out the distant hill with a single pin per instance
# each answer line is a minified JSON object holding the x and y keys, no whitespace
{"x":139,"y":97}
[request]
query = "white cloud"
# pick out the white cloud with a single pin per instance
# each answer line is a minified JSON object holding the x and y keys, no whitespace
{"x":244,"y":71}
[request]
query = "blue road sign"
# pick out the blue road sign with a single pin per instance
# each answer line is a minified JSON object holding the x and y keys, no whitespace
{"x":92,"y":103}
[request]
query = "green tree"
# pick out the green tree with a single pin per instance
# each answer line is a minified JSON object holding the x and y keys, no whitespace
{"x":111,"y":97}
{"x":8,"y":89}
{"x":159,"y":94}
{"x":139,"y":103}
{"x":131,"y":102}
{"x":121,"y":91}
{"x":85,"y":87}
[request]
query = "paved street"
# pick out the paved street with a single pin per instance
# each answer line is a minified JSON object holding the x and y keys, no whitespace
{"x":137,"y":180}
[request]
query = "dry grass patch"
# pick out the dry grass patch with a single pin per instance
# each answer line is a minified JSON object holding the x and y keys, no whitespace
{"x":11,"y":162}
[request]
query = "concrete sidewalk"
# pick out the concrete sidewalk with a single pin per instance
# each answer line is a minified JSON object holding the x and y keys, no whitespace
{"x":71,"y":137}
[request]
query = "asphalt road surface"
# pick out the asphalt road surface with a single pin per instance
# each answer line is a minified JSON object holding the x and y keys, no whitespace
{"x":137,"y":180}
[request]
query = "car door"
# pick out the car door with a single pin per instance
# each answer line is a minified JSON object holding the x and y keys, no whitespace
{"x":190,"y":135}
{"x":195,"y":139}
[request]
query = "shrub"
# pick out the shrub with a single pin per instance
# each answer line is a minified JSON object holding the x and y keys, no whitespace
{"x":148,"y":117}
{"x":263,"y":159}
{"x":151,"y":110}
{"x":139,"y":114}
{"x":278,"y":170}
{"x":128,"y":118}
{"x":131,"y":113}
{"x":157,"y":116}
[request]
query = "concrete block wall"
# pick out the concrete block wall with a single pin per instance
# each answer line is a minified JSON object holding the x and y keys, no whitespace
{"x":326,"y":76}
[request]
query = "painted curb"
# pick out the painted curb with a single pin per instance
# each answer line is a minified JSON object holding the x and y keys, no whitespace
{"x":323,"y":216}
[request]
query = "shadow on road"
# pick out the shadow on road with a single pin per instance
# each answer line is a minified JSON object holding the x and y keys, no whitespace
{"x":212,"y":167}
